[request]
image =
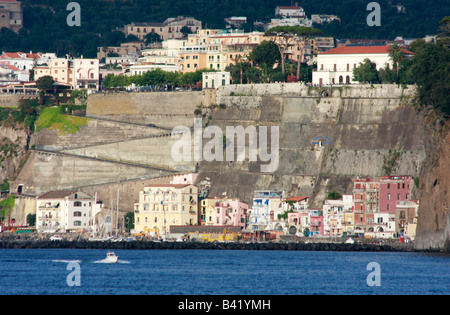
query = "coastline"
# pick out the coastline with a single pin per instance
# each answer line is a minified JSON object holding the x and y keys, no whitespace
{"x":170,"y":245}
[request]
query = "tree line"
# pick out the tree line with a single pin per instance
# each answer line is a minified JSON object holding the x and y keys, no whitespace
{"x":156,"y":77}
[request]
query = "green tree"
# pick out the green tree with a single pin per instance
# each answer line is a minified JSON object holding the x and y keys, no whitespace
{"x":265,"y":55}
{"x":286,"y":36}
{"x":334,"y":195}
{"x":396,"y":54}
{"x":386,"y":75}
{"x":185,"y":30}
{"x":45,"y":83}
{"x":129,"y":221}
{"x":431,"y":70}
{"x":152,"y":38}
{"x":31,"y":219}
{"x":365,"y":72}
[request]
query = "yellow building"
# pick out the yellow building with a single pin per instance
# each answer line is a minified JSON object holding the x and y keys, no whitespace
{"x":348,"y":222}
{"x":161,"y":206}
{"x":208,"y":211}
{"x":192,"y":58}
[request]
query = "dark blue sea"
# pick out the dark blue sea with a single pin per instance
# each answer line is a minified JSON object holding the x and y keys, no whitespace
{"x":222,"y":272}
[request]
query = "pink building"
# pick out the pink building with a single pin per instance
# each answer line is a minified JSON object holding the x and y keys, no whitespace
{"x":394,"y":189}
{"x":315,"y":222}
{"x":231,"y":212}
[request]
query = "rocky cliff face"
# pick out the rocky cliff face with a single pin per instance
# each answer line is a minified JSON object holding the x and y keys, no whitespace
{"x":372,"y":131}
{"x":433,"y":229}
{"x":13,"y":142}
{"x":364,"y":131}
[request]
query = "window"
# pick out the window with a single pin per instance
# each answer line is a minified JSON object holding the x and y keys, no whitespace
{"x":77,"y":223}
{"x":388,"y":196}
{"x":77,"y":214}
{"x":77,"y":204}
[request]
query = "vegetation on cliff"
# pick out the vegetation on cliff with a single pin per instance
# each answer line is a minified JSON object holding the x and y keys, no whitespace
{"x":52,"y":118}
{"x":6,"y":207}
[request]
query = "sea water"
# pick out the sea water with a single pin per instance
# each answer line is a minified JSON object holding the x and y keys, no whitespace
{"x":222,"y":272}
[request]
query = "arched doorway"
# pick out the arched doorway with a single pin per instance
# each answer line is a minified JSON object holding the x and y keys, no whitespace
{"x":292,"y":230}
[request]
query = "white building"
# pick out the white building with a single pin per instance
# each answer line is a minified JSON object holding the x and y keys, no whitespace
{"x":265,"y":204}
{"x":138,"y":69}
{"x":290,"y":11}
{"x":289,"y":22}
{"x":64,"y":211}
{"x":130,"y":59}
{"x":235,"y":21}
{"x":333,"y":214}
{"x":336,"y":66}
{"x":213,"y":80}
{"x":383,"y":225}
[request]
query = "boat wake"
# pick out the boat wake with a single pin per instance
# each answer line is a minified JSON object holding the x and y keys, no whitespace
{"x":67,"y":261}
{"x":106,"y":261}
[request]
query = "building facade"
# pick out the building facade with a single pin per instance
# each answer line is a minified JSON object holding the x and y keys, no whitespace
{"x":394,"y":189}
{"x":11,"y":15}
{"x":265,"y":204}
{"x":333,"y":215}
{"x":214,"y":80}
{"x":162,"y":206}
{"x":336,"y":66}
{"x":64,"y":211}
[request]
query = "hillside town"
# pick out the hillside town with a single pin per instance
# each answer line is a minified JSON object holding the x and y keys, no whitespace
{"x":181,"y":45}
{"x":381,"y":207}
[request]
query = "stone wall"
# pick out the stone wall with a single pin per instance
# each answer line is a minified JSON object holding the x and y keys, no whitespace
{"x":166,"y":109}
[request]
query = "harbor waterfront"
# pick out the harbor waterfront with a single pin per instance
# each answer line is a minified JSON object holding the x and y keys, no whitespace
{"x":297,"y":246}
{"x":221,"y":272}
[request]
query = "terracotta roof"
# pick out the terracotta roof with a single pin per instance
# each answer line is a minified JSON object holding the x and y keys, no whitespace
{"x":59,"y":194}
{"x":12,"y":55}
{"x":297,"y":198}
{"x":14,"y":68}
{"x":346,"y":50}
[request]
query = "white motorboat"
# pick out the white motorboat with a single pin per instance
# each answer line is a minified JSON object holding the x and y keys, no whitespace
{"x":111,"y":257}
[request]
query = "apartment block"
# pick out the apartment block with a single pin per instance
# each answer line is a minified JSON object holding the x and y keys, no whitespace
{"x":265,"y":204}
{"x":162,"y":206}
{"x":78,"y":73}
{"x":64,"y":211}
{"x":333,"y":215}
